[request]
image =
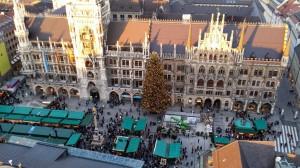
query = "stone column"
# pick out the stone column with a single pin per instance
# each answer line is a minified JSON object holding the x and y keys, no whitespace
{"x":272,"y":109}
{"x":245,"y":106}
{"x":258,"y":107}
{"x":231,"y":105}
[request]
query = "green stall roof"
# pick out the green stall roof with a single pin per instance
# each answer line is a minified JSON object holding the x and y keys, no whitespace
{"x":40,"y":112}
{"x":21,"y":129}
{"x":133,"y":145}
{"x":244,"y":126}
{"x":6,"y":127}
{"x":77,"y":115}
{"x":73,"y":139}
{"x":140,"y":124}
{"x":222,"y":140}
{"x":22,"y":110}
{"x":62,"y":133}
{"x":261,"y":124}
{"x":121,"y":143}
{"x":2,"y":116}
{"x":160,"y":148}
{"x":57,"y":140}
{"x":58,"y":113}
{"x":32,"y":118}
{"x":87,"y":120}
{"x":40,"y":131}
{"x":6,"y":109}
{"x":51,"y":120}
{"x":127,"y":123}
{"x":14,"y":117}
{"x":70,"y":122}
{"x":175,"y":150}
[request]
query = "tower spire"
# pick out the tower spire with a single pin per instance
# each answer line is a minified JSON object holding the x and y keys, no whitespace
{"x":218,"y":17}
{"x":242,"y":34}
{"x":211,"y":22}
{"x":223,"y":21}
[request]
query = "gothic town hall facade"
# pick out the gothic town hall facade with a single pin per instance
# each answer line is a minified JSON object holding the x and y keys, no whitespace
{"x":82,"y":53}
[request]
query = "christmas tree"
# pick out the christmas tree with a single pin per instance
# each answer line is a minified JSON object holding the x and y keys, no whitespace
{"x":156,"y":98}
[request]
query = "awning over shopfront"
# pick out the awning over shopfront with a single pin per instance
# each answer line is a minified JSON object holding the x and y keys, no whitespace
{"x":137,"y":97}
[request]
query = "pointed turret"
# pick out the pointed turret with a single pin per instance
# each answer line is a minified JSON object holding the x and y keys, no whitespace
{"x":218,"y":17}
{"x":223,"y":21}
{"x":211,"y":22}
{"x":242,"y":34}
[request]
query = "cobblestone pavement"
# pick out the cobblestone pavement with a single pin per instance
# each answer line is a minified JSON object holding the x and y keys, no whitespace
{"x":283,"y":97}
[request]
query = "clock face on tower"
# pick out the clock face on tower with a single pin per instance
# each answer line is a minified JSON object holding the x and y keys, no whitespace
{"x":87,"y":41}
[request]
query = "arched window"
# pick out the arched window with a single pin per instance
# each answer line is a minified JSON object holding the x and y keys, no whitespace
{"x":231,"y":72}
{"x":88,"y":64}
{"x":211,"y":70}
{"x":221,"y":71}
{"x":202,"y":69}
{"x":215,"y":58}
{"x":90,"y":74}
{"x":210,"y":83}
{"x":200,"y":83}
{"x":201,"y":56}
{"x":210,"y":57}
{"x":220,"y":84}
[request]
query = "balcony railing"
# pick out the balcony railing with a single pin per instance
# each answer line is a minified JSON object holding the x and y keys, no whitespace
{"x":124,"y":54}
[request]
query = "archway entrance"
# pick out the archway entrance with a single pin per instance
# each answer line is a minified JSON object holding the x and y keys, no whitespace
{"x":137,"y":98}
{"x":266,"y":108}
{"x":62,"y":92}
{"x":51,"y":91}
{"x":125,"y":97}
{"x":114,"y":98}
{"x":207,"y":103}
{"x":217,"y":104}
{"x":199,"y":102}
{"x":74,"y":93}
{"x":238,"y":106}
{"x":94,"y":92}
{"x":252,"y":107}
{"x":39,"y":90}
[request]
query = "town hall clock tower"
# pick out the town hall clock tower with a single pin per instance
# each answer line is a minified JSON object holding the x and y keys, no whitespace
{"x":88,"y":20}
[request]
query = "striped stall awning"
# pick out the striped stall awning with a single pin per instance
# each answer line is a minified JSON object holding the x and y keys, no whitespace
{"x":286,"y":142}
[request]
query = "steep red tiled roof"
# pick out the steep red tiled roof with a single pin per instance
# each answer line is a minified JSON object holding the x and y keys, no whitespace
{"x":126,"y":32}
{"x":56,"y":28}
